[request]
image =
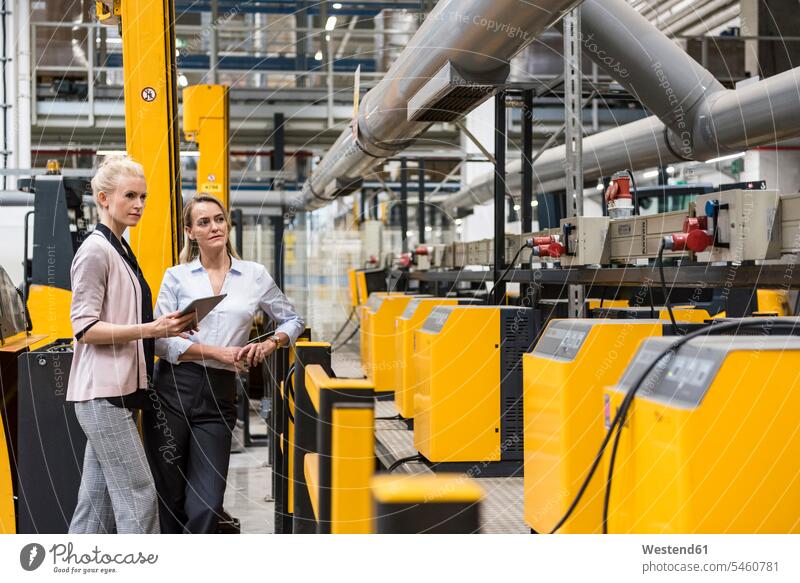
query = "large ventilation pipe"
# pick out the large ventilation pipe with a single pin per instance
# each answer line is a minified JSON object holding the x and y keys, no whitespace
{"x":696,"y":118}
{"x":453,"y":63}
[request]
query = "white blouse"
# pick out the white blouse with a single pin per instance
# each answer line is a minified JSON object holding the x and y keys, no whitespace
{"x":249,"y":287}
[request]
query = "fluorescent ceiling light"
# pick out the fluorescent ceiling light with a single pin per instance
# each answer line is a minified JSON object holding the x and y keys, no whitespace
{"x":516,"y":207}
{"x":650,"y":174}
{"x":723,"y":158}
{"x":337,"y":5}
{"x":331,"y":23}
{"x":318,"y":56}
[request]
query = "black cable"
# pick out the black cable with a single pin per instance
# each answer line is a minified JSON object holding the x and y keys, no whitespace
{"x":505,"y":272}
{"x":346,"y":322}
{"x":288,"y":385}
{"x":618,"y":418}
{"x":403,"y":460}
{"x":397,"y":417}
{"x":28,"y":321}
{"x":635,"y":193}
{"x":288,"y":382}
{"x":667,"y":303}
{"x":672,"y":349}
{"x":261,"y":337}
{"x":346,"y":340}
{"x":652,"y":302}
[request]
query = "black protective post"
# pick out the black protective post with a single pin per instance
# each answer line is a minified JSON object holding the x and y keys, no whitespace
{"x":376,"y":203}
{"x":499,"y":196}
{"x":527,"y":154}
{"x":278,"y":227}
{"x":278,"y":144}
{"x":404,"y":203}
{"x":421,"y":205}
{"x":663,"y":176}
{"x":237,"y":218}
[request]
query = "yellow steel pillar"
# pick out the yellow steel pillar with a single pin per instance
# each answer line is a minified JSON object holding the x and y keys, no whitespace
{"x":151,"y":118}
{"x":205,"y":121}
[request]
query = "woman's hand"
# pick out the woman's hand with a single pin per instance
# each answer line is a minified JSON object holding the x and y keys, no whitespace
{"x":228,"y":355}
{"x":254,"y":354}
{"x":170,"y":325}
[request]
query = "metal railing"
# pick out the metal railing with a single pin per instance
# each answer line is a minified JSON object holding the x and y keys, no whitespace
{"x":96,"y":59}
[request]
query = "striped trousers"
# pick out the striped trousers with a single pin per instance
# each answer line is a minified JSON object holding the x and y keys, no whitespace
{"x":117,"y":492}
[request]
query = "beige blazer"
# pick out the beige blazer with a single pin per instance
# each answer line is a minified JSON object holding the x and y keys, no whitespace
{"x":104,"y":288}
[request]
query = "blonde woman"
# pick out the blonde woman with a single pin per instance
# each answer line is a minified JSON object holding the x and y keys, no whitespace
{"x":188,"y":433}
{"x":111,"y":316}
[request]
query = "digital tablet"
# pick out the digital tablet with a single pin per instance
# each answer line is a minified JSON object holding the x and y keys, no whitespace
{"x":201,"y":307}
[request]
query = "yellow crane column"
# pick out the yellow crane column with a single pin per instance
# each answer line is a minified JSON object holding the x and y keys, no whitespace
{"x":205,"y":121}
{"x":151,"y":125}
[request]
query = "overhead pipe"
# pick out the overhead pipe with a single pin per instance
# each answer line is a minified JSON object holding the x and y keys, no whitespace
{"x":699,"y":16}
{"x":713,"y":21}
{"x":476,"y":37}
{"x":696,"y":117}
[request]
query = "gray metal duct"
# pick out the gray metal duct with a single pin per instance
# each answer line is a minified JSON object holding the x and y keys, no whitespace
{"x":699,"y":119}
{"x":641,"y":142}
{"x":661,"y":75}
{"x":476,"y":37}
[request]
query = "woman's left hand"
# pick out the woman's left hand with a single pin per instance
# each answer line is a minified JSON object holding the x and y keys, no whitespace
{"x":255,"y":353}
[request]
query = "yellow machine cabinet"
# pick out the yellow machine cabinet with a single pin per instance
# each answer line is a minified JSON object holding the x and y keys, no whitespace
{"x":205,"y":121}
{"x":563,"y":380}
{"x":379,"y":339}
{"x":7,"y":513}
{"x":682,"y":313}
{"x":711,"y":442}
{"x":367,"y":282}
{"x":414,"y":316}
{"x":468,"y":406}
{"x":365,"y":312}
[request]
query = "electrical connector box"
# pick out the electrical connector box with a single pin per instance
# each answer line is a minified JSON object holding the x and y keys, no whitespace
{"x":746,"y":225}
{"x":585,"y":240}
{"x":633,"y":239}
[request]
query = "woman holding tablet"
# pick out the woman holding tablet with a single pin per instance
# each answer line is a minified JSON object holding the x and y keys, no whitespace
{"x":111,"y":315}
{"x":188,"y":432}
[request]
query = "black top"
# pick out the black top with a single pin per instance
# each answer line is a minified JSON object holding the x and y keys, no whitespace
{"x":122,"y":247}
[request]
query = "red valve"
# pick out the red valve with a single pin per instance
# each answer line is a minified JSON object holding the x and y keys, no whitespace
{"x":541,"y":240}
{"x":695,"y":236}
{"x":699,"y":240}
{"x":405,"y":260}
{"x":620,"y":187}
{"x":421,"y":250}
{"x":554,"y":249}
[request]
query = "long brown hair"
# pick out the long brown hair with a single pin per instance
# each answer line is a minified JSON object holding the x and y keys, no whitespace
{"x":190,"y":249}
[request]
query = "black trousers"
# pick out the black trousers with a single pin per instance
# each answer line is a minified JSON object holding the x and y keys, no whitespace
{"x":187,"y":438}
